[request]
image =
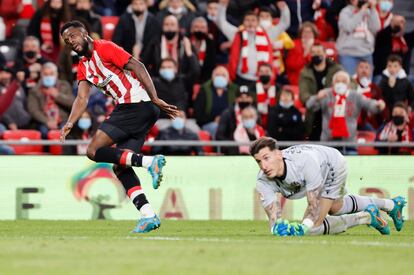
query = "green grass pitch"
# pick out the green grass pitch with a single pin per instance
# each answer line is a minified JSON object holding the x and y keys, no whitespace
{"x":197,"y":247}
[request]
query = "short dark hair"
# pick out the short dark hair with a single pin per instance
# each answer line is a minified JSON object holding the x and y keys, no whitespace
{"x":266,"y":64}
{"x":169,"y":59}
{"x":249,"y":13}
{"x":261,"y":143}
{"x":72,"y":24}
{"x":265,"y":9}
{"x":394,"y":58}
{"x":400,"y":104}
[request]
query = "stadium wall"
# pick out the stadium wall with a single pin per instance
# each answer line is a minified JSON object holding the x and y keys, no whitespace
{"x":199,"y":188}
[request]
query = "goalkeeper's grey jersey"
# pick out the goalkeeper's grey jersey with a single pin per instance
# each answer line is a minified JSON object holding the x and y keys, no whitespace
{"x":307,"y":168}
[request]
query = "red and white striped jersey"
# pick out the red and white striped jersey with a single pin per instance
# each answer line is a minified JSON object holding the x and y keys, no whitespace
{"x":105,"y":70}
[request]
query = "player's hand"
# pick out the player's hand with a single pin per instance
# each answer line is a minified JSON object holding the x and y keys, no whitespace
{"x":65,"y":131}
{"x":171,"y":110}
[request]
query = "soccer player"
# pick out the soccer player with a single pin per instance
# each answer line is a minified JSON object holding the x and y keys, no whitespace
{"x":319,"y":173}
{"x":117,"y":74}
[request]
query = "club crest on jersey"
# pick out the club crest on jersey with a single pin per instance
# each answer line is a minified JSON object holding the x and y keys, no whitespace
{"x":104,"y":82}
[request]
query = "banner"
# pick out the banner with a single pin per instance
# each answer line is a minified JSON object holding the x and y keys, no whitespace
{"x":197,"y":188}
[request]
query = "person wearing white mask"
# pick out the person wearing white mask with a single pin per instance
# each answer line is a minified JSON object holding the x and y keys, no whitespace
{"x":177,"y":131}
{"x":50,"y":101}
{"x":173,"y":86}
{"x":384,"y":8}
{"x":248,"y":130}
{"x":84,"y":129}
{"x":285,"y":121}
{"x":341,"y":107}
{"x":362,"y":83}
{"x":215,"y":96}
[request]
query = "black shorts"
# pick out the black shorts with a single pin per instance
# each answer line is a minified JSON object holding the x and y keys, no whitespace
{"x":129,"y":123}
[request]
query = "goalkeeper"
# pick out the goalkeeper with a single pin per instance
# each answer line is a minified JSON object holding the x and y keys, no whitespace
{"x":319,"y":173}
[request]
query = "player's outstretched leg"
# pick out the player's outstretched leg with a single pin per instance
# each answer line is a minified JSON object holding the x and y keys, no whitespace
{"x":149,"y":220}
{"x":376,"y":221}
{"x":396,"y":212}
{"x":155,"y":170}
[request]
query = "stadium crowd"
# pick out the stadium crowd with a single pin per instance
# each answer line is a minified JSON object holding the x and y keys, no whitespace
{"x":329,"y":70}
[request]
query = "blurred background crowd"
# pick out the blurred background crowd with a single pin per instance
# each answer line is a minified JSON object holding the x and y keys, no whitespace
{"x":309,"y":70}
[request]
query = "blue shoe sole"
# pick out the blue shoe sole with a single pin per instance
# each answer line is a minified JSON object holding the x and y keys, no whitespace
{"x":396,"y":213}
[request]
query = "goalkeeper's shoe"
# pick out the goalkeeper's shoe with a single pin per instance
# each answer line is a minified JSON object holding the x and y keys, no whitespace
{"x":146,"y":225}
{"x":396,"y":212}
{"x":155,"y":170}
{"x":376,"y":221}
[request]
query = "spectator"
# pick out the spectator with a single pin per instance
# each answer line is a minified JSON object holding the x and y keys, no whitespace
{"x":396,"y":130}
{"x":395,"y":85}
{"x":16,"y":116}
{"x":231,"y":118}
{"x":393,"y":40}
{"x":384,"y":8}
{"x":28,"y":67}
{"x":248,"y":130}
{"x":285,"y":120}
{"x":204,"y":46}
{"x":215,"y":96}
{"x":184,"y":13}
{"x":332,"y":14}
{"x":10,"y":13}
{"x":315,"y":77}
{"x":364,"y":86}
{"x":171,"y":44}
{"x":176,"y":88}
{"x":49,"y":102}
{"x":301,"y":54}
{"x":136,"y":27}
{"x":82,"y":130}
{"x":92,"y":21}
{"x":251,"y":45}
{"x":7,"y":96}
{"x":45,"y":25}
{"x":177,"y":131}
{"x":264,"y":91}
{"x":105,"y":7}
{"x":358,"y":26}
{"x":280,"y":44}
{"x":304,"y":11}
{"x":341,"y":107}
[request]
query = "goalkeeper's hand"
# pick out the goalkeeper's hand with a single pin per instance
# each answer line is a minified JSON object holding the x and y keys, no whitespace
{"x":285,"y":228}
{"x":298,"y":229}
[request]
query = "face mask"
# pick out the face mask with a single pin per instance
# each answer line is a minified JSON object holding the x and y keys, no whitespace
{"x":265,"y":24}
{"x":386,"y":6}
{"x":264,"y":79}
{"x":286,"y":105}
{"x":398,"y":120}
{"x":85,"y":123}
{"x":220,"y":82}
{"x":211,"y":18}
{"x":137,"y":13}
{"x":178,"y":123}
{"x":249,"y":123}
{"x":396,"y":29}
{"x":49,"y":81}
{"x":199,"y":35}
{"x":167,"y":74}
{"x":340,"y":88}
{"x":317,"y":60}
{"x":175,"y":11}
{"x":364,"y":81}
{"x":243,"y":105}
{"x":30,"y":54}
{"x":169,"y":35}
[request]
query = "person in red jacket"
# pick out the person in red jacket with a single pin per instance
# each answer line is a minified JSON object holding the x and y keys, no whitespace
{"x":10,"y":12}
{"x":299,"y":56}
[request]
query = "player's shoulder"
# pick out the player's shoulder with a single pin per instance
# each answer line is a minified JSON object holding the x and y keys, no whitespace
{"x":261,"y":179}
{"x":102,"y":44}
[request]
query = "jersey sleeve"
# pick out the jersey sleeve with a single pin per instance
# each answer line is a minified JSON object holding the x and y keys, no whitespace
{"x":266,"y":193}
{"x":81,"y":75}
{"x":312,"y":174}
{"x":115,"y":54}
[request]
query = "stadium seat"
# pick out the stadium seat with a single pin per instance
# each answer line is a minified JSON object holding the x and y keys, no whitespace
{"x":24,"y":135}
{"x":205,"y":136}
{"x":108,"y":25}
{"x":364,"y":137}
{"x":54,"y":149}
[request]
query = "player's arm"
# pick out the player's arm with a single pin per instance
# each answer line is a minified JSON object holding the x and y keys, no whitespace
{"x":274,"y":212}
{"x":313,"y":210}
{"x":78,"y":108}
{"x":142,"y":74}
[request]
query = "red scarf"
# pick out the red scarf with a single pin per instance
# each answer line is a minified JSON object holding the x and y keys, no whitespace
{"x":240,"y":135}
{"x":265,"y":99}
{"x":399,"y":45}
{"x":338,"y":120}
{"x":201,"y":50}
{"x":169,"y":48}
{"x":262,"y":48}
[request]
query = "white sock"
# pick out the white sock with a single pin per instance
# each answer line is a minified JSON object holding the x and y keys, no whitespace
{"x":338,"y":224}
{"x":146,"y":161}
{"x":356,"y":203}
{"x":146,"y":211}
